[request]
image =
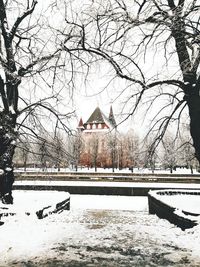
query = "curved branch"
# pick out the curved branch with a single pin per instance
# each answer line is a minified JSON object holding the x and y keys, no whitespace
{"x":108,"y":58}
{"x":29,"y":11}
{"x":163,"y":127}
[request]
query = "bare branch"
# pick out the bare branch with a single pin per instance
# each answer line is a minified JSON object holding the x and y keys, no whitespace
{"x":19,"y":20}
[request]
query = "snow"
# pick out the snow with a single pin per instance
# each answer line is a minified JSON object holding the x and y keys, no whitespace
{"x":186,"y":202}
{"x":11,"y":109}
{"x":97,"y":231}
{"x":109,"y":170}
{"x":106,"y":130}
{"x":13,"y":142}
{"x":8,"y":169}
{"x":8,"y":135}
{"x":182,"y":201}
{"x":109,"y":202}
{"x":109,"y":184}
{"x":32,"y":201}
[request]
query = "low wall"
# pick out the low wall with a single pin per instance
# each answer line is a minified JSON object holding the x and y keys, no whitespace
{"x":120,"y":177}
{"x":93,"y":190}
{"x":164,"y":211}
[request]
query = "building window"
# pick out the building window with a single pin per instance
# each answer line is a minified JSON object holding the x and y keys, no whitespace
{"x":88,"y":126}
{"x":99,"y":126}
{"x":94,"y":126}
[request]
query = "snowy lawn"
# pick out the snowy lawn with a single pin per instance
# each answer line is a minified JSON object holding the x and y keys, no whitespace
{"x":97,"y":231}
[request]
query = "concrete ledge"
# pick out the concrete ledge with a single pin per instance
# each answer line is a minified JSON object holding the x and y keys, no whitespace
{"x":58,"y":208}
{"x":29,"y":207}
{"x":134,"y":190}
{"x":119,"y":177}
{"x":164,"y":211}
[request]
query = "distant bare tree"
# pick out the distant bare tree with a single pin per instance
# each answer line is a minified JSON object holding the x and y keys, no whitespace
{"x":23,"y":149}
{"x":187,"y":158}
{"x":185,"y":150}
{"x":170,"y":152}
{"x":94,"y":150}
{"x":77,"y":145}
{"x":58,"y":151}
{"x":121,"y":153}
{"x":128,"y":150}
{"x":113,"y":147}
{"x":43,"y":153}
{"x":133,"y":149}
{"x":150,"y":157}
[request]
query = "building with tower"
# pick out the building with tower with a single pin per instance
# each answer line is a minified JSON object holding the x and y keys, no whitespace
{"x":98,"y":122}
{"x":97,"y":136}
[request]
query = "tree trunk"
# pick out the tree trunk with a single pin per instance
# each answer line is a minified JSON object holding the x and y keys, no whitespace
{"x":171,"y":169}
{"x":194,"y":112}
{"x":7,"y":148}
{"x":95,"y":164}
{"x":191,"y":169}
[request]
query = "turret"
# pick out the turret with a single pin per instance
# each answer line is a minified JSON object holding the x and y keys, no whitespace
{"x":111,"y":117}
{"x":80,"y":125}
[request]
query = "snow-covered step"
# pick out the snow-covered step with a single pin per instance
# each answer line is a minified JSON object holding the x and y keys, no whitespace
{"x":33,"y":203}
{"x":180,"y":207}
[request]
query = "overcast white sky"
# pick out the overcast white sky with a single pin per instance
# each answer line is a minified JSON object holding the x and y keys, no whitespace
{"x":99,"y":92}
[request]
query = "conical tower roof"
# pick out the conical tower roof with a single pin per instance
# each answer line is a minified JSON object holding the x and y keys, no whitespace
{"x":96,"y":117}
{"x":111,"y":117}
{"x":80,"y":125}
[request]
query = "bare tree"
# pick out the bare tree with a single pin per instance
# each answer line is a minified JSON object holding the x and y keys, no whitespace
{"x":170,"y":152}
{"x":186,"y":151}
{"x":94,"y":146}
{"x":150,"y":159}
{"x":133,"y":149}
{"x":30,"y":61}
{"x":43,"y":153}
{"x":76,"y":149}
{"x":58,"y":151}
{"x":154,"y":47}
{"x":121,"y":153}
{"x":112,"y":147}
{"x":187,"y":158}
{"x":22,"y":152}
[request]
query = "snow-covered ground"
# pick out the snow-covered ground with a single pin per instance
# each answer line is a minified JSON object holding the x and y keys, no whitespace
{"x":97,"y":231}
{"x":33,"y":201}
{"x":187,"y":202}
{"x":109,"y":170}
{"x":108,"y":184}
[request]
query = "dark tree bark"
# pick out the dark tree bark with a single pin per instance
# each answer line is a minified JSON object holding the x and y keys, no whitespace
{"x":8,"y":136}
{"x":7,"y":147}
{"x":8,"y":117}
{"x":194,"y":112}
{"x":189,"y":69}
